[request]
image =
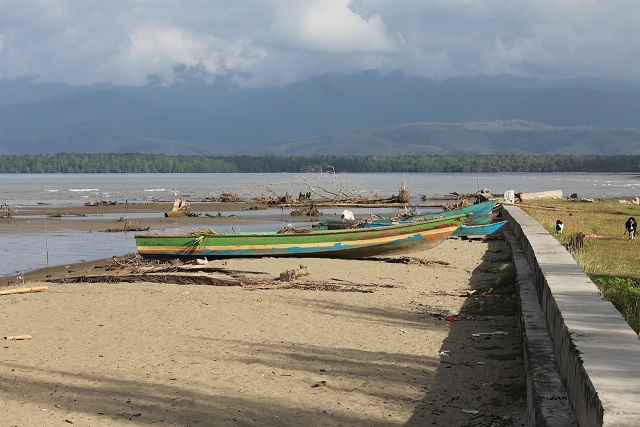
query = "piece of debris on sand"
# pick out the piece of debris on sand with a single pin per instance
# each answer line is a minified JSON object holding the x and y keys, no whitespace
{"x":180,"y":207}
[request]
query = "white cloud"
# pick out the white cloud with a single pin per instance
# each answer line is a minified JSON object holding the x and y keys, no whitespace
{"x":330,"y":26}
{"x":155,"y":51}
{"x":262,"y":42}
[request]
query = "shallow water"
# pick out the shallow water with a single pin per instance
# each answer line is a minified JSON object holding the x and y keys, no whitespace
{"x":73,"y":189}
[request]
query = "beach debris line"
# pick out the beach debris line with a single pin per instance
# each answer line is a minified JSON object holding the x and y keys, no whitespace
{"x":455,"y":205}
{"x":101,"y":203}
{"x":51,"y":214}
{"x":464,"y":294}
{"x":212,"y":280}
{"x":330,"y":190}
{"x":135,"y":269}
{"x":24,"y":290}
{"x":128,"y":226}
{"x":406,"y":260}
{"x":8,"y":210}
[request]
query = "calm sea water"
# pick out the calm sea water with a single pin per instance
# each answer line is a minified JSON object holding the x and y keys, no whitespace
{"x":20,"y":253}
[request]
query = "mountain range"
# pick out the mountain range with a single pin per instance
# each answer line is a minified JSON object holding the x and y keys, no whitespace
{"x":364,"y":113}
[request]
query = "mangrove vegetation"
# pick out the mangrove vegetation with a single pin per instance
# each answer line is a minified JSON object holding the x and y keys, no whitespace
{"x":163,"y":163}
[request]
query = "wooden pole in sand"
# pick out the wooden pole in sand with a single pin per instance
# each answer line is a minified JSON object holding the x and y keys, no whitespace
{"x":24,"y":290}
{"x":46,"y":242}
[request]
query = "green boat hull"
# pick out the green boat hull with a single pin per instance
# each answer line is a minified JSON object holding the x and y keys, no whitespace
{"x":350,"y":243}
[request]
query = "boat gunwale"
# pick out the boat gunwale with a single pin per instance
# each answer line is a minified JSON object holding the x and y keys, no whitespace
{"x":446,"y":220}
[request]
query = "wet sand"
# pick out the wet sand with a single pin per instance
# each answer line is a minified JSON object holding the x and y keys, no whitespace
{"x":112,"y":354}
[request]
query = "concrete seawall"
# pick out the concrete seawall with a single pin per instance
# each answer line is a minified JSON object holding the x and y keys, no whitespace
{"x":595,"y":353}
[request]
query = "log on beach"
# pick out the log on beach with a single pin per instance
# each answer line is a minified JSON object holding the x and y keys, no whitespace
{"x":17,"y":337}
{"x":24,"y":290}
{"x":554,"y":194}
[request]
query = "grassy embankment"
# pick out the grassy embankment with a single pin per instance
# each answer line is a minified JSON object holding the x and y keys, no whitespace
{"x":611,"y":260}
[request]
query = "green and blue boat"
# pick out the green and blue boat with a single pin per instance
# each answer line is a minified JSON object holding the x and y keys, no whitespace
{"x":341,"y":243}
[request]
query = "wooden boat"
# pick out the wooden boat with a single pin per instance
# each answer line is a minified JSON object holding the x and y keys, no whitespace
{"x":477,"y":214}
{"x":481,"y":219}
{"x":344,"y":243}
{"x":466,"y":230}
{"x":475,"y":210}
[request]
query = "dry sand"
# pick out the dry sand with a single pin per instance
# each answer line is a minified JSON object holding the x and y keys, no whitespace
{"x":117,"y":354}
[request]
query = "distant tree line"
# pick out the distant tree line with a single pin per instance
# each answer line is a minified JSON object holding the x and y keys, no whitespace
{"x":163,"y":163}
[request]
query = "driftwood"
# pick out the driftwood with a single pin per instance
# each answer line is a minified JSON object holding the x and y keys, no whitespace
{"x":9,"y":211}
{"x":330,"y":190}
{"x":101,"y":203}
{"x":289,"y":275}
{"x":311,"y":286}
{"x":136,"y":264}
{"x":410,"y":261}
{"x":135,"y":269}
{"x":310,"y":210}
{"x":63,"y":214}
{"x":228,"y":197}
{"x":180,"y":207}
{"x":24,"y":290}
{"x":17,"y":337}
{"x":127,"y":227}
{"x":553,"y":194}
{"x":211,"y":280}
{"x":459,"y":205}
{"x":465,"y":294}
{"x":190,"y":279}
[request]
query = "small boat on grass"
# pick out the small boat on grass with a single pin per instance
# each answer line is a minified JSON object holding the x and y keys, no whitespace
{"x":466,"y":230}
{"x":342,"y":243}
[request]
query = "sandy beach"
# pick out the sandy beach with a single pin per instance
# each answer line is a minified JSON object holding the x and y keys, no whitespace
{"x":387,"y":344}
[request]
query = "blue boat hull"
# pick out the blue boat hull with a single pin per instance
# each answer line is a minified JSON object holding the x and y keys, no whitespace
{"x":478,"y":230}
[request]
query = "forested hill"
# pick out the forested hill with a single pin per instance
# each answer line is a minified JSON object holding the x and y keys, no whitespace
{"x":162,"y":163}
{"x":463,"y":139}
{"x":364,"y":113}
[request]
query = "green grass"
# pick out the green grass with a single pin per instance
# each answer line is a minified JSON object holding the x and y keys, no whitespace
{"x":609,"y":258}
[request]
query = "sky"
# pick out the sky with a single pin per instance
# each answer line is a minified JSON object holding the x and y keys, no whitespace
{"x":257,"y":43}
